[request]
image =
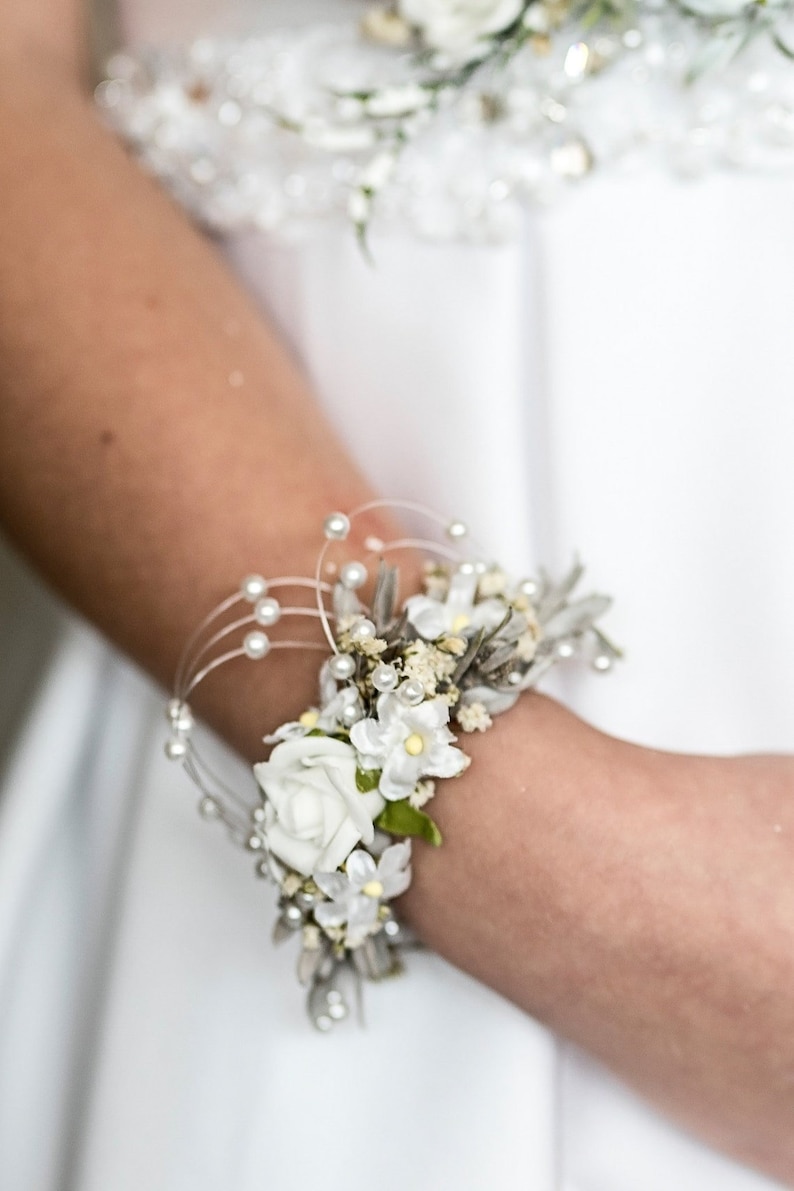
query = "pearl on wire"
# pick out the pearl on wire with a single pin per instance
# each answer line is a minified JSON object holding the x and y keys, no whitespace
{"x":384,"y":677}
{"x":253,"y":587}
{"x":362,"y":630}
{"x":353,"y":575}
{"x":267,"y":611}
{"x":411,"y":692}
{"x":256,"y":645}
{"x":175,"y":750}
{"x":342,"y":666}
{"x":336,"y":527}
{"x":457,"y":530}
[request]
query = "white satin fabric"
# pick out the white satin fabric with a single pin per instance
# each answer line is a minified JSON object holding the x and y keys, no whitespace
{"x":618,"y":383}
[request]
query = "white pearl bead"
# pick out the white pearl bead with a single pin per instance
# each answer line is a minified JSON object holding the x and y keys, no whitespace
{"x":253,"y":587}
{"x":175,"y":750}
{"x":603,"y":663}
{"x":362,"y":630}
{"x":351,"y":714}
{"x":267,"y":611}
{"x":353,"y":575}
{"x":256,"y":645}
{"x":208,"y":808}
{"x":411,"y":692}
{"x":254,"y":843}
{"x":457,"y":529}
{"x":384,"y":677}
{"x":467,"y":568}
{"x":184,"y":721}
{"x":342,"y":666}
{"x":258,"y":814}
{"x":173,"y":709}
{"x":337,"y":1011}
{"x":565,"y":649}
{"x":336,"y":527}
{"x":514,"y":678}
{"x":323,"y":1022}
{"x":392,"y":928}
{"x":528,"y":587}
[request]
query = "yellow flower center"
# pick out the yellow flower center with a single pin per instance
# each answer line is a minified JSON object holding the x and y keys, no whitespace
{"x":308,"y":719}
{"x":414,"y":745}
{"x":372,"y":889}
{"x":460,"y":622}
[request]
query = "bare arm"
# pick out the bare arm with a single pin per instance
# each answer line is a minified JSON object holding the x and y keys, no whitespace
{"x":641,"y":904}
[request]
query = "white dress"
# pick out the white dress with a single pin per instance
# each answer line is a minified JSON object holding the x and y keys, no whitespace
{"x":616,"y":380}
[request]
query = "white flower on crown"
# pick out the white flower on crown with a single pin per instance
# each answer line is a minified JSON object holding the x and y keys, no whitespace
{"x":456,"y":26}
{"x":458,"y":613}
{"x":355,"y":896}
{"x":406,"y":744}
{"x":314,"y":813}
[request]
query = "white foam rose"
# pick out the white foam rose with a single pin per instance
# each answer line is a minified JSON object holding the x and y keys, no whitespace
{"x":315,"y":815}
{"x":455,"y":25}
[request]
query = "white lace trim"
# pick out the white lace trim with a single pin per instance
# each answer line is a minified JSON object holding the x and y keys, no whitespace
{"x":207,"y":119}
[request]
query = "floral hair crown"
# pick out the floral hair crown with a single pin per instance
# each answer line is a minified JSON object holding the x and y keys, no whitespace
{"x":346,"y":786}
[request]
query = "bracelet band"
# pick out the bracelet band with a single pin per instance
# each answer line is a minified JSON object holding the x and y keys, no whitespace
{"x":345,"y":788}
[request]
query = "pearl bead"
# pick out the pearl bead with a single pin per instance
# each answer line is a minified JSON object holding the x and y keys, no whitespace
{"x":603,"y":663}
{"x":267,"y":611}
{"x":342,"y":666}
{"x":323,"y":1022}
{"x":457,"y":529}
{"x":184,"y":722}
{"x":514,"y":678}
{"x":528,"y":587}
{"x":175,"y":750}
{"x":256,"y":645}
{"x":411,"y":692}
{"x":293,"y":916}
{"x":565,"y":649}
{"x":173,"y":709}
{"x":338,"y":1011}
{"x":351,"y":714}
{"x":466,"y":568}
{"x":254,"y":843}
{"x":353,"y":575}
{"x":362,"y":630}
{"x":384,"y":677}
{"x":258,"y":814}
{"x":253,"y":587}
{"x":336,"y":527}
{"x":208,"y":808}
{"x":392,"y":928}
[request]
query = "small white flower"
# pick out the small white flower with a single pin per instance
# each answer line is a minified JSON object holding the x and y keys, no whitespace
{"x":377,"y":172}
{"x":473,"y":717}
{"x":422,"y":794}
{"x":359,"y":206}
{"x":492,"y":583}
{"x":398,"y":101}
{"x":427,"y":665}
{"x":387,"y":27}
{"x":458,"y":614}
{"x":356,"y":895}
{"x":339,"y":712}
{"x":315,"y":815}
{"x":458,"y":25}
{"x":407,"y":743}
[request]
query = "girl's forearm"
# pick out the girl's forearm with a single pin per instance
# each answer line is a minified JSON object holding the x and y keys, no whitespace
{"x":136,"y":471}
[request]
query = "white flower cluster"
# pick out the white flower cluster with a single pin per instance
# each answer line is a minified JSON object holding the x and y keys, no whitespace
{"x":346,"y":787}
{"x":357,"y":772}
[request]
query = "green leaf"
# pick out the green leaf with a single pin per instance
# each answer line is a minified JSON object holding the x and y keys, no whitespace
{"x":400,"y":818}
{"x":366,"y":780}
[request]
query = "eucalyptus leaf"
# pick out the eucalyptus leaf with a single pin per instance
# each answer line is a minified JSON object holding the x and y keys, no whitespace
{"x":400,"y":818}
{"x":576,"y":617}
{"x":367,"y":779}
{"x":384,"y":597}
